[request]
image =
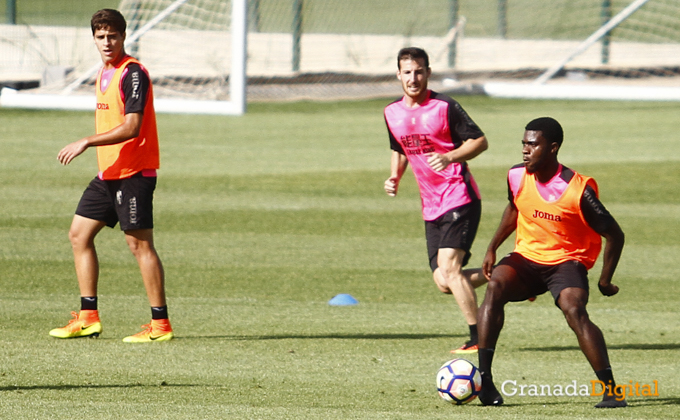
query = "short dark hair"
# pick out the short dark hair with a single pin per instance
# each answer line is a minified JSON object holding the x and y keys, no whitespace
{"x":551,"y":129}
{"x":412,"y":53}
{"x":110,"y":18}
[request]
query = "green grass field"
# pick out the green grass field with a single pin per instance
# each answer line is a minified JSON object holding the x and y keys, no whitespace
{"x":261,"y":219}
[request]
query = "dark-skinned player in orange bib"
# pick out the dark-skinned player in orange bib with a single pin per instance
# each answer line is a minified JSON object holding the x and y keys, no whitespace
{"x":559,"y":223}
{"x":126,"y":140}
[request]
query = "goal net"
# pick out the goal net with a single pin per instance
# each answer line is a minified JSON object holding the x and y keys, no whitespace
{"x":346,"y":49}
{"x":604,"y":49}
{"x":497,"y":47}
{"x":194,"y":50}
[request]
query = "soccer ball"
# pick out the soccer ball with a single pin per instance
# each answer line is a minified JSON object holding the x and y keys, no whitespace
{"x":459,"y":381}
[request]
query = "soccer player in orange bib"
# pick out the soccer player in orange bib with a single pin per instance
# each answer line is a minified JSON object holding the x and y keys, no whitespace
{"x":126,"y":140}
{"x":559,"y":223}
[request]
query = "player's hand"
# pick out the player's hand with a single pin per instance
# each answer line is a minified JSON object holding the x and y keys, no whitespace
{"x":487,"y":265}
{"x":391,"y":185}
{"x":71,"y":151}
{"x":437,"y":162}
{"x":609,"y":289}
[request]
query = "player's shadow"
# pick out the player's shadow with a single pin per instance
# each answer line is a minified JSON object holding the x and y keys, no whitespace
{"x":632,"y":402}
{"x":68,"y":387}
{"x":641,"y":346}
{"x":401,"y":336}
{"x":543,"y":403}
{"x":653,"y":401}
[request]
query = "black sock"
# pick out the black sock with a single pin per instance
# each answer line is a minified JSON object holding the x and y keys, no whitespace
{"x":474,"y":338}
{"x":485,"y":359}
{"x":159,"y":312}
{"x":606,"y":376}
{"x":88,"y":303}
{"x":489,"y":394}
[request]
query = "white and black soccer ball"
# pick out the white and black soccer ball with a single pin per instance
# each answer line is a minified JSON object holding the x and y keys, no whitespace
{"x":459,"y":381}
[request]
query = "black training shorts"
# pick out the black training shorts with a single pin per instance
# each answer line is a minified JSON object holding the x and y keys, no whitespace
{"x":456,"y":229}
{"x":539,"y":278}
{"x":128,"y":201}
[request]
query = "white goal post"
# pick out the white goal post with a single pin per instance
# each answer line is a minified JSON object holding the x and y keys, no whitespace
{"x":232,"y":67}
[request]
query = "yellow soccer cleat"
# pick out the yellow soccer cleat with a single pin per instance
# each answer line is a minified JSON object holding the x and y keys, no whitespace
{"x":157,"y":330}
{"x":84,"y":324}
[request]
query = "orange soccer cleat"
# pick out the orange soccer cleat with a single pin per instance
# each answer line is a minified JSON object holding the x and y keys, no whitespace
{"x":84,"y":324}
{"x":157,"y":330}
{"x":466,"y":348}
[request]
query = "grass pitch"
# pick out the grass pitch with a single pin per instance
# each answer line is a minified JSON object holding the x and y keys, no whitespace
{"x":262,"y":219}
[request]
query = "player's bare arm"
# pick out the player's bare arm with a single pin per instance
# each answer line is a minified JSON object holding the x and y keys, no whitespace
{"x":470,"y":149}
{"x":507,"y":225}
{"x":398,"y":166}
{"x":612,"y":253}
{"x":128,"y":130}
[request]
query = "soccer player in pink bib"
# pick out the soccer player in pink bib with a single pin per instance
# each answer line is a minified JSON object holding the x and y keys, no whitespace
{"x":434,"y":134}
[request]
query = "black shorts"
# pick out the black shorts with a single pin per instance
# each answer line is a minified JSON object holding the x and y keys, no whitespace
{"x":456,"y":229}
{"x":539,"y":278}
{"x":128,"y":201}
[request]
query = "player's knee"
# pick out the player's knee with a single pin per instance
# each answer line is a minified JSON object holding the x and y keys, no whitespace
{"x":139,"y":242}
{"x":575,"y":314}
{"x":495,"y":291}
{"x":138,"y":247}
{"x":73,"y":237}
{"x":79,"y":239}
{"x":440,"y":282}
{"x":573,"y":301}
{"x":454,"y":276}
{"x":444,"y":289}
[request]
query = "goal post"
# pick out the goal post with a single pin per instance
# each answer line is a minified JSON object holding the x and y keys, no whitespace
{"x":188,"y":77}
